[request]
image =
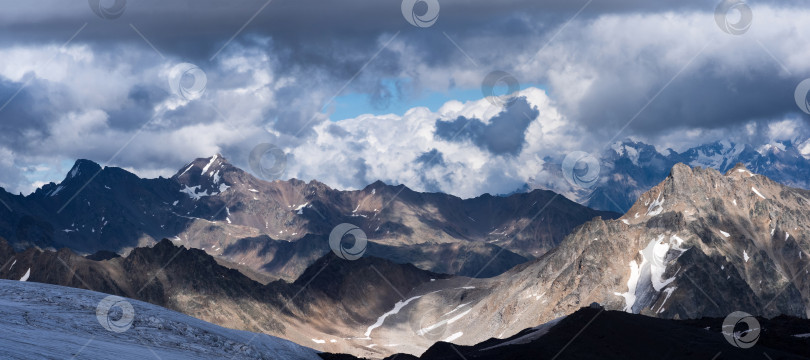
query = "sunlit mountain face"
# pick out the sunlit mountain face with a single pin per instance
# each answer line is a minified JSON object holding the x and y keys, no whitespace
{"x":415,"y":179}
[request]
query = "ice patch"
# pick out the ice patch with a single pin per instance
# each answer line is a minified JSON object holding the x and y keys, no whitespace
{"x":625,"y":221}
{"x":725,"y":234}
{"x":318,"y":341}
{"x":656,"y":207}
{"x":632,"y":282}
{"x":668,"y":291}
{"x":757,"y":192}
{"x":192,"y":192}
{"x":651,"y":270}
{"x":456,"y":309}
{"x":26,"y":276}
{"x":440,"y":323}
{"x":213,"y":158}
{"x":187,"y":169}
{"x":58,"y":189}
{"x":745,"y":256}
{"x":453,"y":337}
{"x":397,"y":307}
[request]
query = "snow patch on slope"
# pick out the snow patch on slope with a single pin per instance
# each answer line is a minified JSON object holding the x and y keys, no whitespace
{"x":26,"y":276}
{"x":397,"y":307}
{"x":757,"y":192}
{"x":648,"y":276}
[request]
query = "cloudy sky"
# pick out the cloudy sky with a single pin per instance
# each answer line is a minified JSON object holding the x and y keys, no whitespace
{"x":355,"y":91}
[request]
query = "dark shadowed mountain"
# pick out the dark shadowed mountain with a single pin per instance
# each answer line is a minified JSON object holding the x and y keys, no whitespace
{"x":593,"y":333}
{"x":276,"y":229}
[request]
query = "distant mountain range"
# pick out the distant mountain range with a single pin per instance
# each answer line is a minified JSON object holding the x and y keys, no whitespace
{"x":699,"y":244}
{"x":629,"y":168}
{"x":274,"y":230}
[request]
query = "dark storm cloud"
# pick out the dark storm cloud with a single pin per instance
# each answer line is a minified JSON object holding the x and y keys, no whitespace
{"x":316,"y":48}
{"x":703,"y":101}
{"x":309,"y":31}
{"x":504,"y":135}
{"x":431,"y":158}
{"x":26,"y":112}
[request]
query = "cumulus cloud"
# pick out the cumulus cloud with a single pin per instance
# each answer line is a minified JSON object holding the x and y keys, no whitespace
{"x":659,"y":72}
{"x":417,"y":149}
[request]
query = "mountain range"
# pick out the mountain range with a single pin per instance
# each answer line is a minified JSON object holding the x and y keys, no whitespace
{"x":699,"y":244}
{"x":274,"y":230}
{"x":629,"y":168}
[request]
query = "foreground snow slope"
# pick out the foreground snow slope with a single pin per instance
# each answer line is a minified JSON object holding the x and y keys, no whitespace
{"x":55,"y":322}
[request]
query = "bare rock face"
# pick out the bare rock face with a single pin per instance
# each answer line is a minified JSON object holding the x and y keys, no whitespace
{"x":274,"y":230}
{"x":700,"y":243}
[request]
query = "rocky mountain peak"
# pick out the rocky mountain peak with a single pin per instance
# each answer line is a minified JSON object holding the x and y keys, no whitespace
{"x":739,"y":170}
{"x":83,"y":168}
{"x":207,"y":176}
{"x":202,"y":166}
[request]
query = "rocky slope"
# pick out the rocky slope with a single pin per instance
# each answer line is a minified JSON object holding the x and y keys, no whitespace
{"x":592,"y":333}
{"x":325,"y":308}
{"x":276,"y":229}
{"x":701,"y":243}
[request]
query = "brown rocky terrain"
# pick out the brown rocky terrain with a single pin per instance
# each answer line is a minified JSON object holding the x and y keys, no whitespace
{"x":274,"y":230}
{"x":701,"y":243}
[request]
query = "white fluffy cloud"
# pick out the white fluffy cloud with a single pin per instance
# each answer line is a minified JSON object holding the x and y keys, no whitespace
{"x":90,"y":98}
{"x":402,"y":149}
